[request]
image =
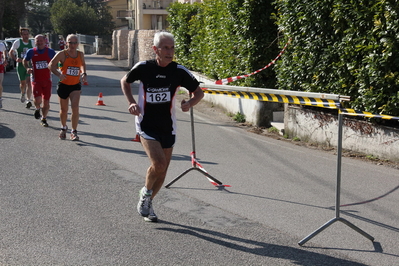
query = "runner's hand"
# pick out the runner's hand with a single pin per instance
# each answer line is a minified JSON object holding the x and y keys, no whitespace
{"x":185,"y":106}
{"x":134,"y":109}
{"x":62,"y":77}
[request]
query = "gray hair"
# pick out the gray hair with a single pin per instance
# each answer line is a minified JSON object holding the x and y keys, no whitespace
{"x":160,"y":35}
{"x":39,"y":35}
{"x":70,"y":36}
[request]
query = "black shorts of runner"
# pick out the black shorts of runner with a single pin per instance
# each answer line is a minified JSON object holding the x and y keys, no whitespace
{"x":167,"y":141}
{"x":64,"y":90}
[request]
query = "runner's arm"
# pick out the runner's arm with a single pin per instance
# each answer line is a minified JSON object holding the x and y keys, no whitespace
{"x":53,"y":65}
{"x":27,"y":58}
{"x":13,"y":50}
{"x":83,"y":67}
{"x":4,"y":50}
{"x":197,"y":95}
{"x":5,"y":62}
{"x":134,"y":109}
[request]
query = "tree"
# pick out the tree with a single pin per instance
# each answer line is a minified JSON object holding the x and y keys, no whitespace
{"x":86,"y":17}
{"x":67,"y":17}
{"x":2,"y":6}
{"x":95,"y":4}
{"x":11,"y":17}
{"x":105,"y":25}
{"x":38,"y":16}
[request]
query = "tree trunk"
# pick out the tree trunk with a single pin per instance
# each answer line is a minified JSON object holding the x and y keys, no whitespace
{"x":2,"y":6}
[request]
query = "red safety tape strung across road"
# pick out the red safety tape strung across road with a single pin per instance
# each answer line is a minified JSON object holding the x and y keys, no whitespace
{"x":228,"y":80}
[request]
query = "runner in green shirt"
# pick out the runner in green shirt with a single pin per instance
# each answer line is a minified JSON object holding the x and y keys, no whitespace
{"x":17,"y":52}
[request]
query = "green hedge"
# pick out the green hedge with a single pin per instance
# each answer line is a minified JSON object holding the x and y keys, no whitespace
{"x":347,"y":47}
{"x":224,"y":38}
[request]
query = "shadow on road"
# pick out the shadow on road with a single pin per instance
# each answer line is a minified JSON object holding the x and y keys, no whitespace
{"x":6,"y":132}
{"x":295,"y":255}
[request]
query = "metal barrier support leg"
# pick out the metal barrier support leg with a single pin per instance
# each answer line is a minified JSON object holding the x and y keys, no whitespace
{"x":338,"y":194}
{"x":194,"y":161}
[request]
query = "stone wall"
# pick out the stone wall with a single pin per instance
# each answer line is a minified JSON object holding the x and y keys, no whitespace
{"x":132,"y":56}
{"x":123,"y":44}
{"x":321,"y":128}
{"x":141,"y":46}
{"x":133,"y":45}
{"x":114,"y":51}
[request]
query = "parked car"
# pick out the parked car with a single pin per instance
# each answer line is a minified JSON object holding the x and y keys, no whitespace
{"x":10,"y":61}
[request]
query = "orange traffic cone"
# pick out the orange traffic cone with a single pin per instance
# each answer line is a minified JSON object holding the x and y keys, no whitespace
{"x":137,"y":139}
{"x":100,"y":99}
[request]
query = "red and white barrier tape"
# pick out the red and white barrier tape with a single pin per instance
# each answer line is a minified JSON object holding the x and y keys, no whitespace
{"x":231,"y":79}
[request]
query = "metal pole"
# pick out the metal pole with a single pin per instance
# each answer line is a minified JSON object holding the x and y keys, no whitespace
{"x":192,"y":131}
{"x":339,"y":163}
{"x":194,"y":166}
{"x":338,"y":193}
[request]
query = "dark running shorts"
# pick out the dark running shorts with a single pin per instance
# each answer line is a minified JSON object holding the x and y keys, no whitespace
{"x":64,"y":90}
{"x":167,"y":141}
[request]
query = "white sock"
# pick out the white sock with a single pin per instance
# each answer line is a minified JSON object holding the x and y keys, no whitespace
{"x":147,"y":191}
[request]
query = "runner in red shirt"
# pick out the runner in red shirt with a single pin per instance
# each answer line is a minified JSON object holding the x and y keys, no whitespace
{"x":61,"y":43}
{"x":40,"y":56}
{"x":3,"y":64}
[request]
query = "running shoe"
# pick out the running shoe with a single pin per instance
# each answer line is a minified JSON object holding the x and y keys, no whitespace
{"x":28,"y":104}
{"x":44,"y":122}
{"x":74,"y":135}
{"x":152,"y":217}
{"x":145,"y":203}
{"x":63,"y":133}
{"x":1,"y":103}
{"x":37,"y":113}
{"x":23,"y":99}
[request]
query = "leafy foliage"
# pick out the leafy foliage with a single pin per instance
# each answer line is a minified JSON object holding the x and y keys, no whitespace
{"x":68,"y":17}
{"x":345,"y":47}
{"x":11,"y":14}
{"x":38,"y":16}
{"x":224,"y":38}
{"x":179,"y":19}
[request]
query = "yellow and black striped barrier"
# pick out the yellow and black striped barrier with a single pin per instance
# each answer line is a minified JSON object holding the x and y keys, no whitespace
{"x":255,"y":94}
{"x":353,"y":112}
{"x":279,"y":98}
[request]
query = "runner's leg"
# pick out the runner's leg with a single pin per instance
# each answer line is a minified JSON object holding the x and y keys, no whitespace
{"x":63,"y":110}
{"x":75,"y":99}
{"x":160,"y":159}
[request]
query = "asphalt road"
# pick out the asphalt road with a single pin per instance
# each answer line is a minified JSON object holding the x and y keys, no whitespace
{"x":74,"y":203}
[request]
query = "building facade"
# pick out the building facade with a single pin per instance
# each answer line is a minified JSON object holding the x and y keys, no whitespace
{"x":116,"y":7}
{"x":147,"y":14}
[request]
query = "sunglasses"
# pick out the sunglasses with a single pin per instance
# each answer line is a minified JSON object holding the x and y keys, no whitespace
{"x":72,"y":42}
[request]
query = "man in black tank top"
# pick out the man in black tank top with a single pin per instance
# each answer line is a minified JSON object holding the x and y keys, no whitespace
{"x":155,"y":112}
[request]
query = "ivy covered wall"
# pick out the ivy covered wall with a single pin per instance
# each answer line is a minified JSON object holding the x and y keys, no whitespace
{"x":224,"y":38}
{"x":347,"y":47}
